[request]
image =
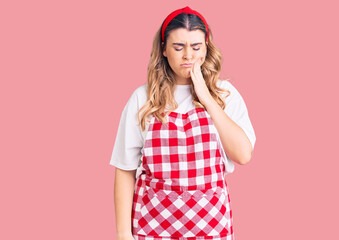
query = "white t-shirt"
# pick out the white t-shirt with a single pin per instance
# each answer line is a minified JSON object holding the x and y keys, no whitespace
{"x":129,"y":141}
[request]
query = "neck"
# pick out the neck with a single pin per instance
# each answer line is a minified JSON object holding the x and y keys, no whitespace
{"x":183,"y":81}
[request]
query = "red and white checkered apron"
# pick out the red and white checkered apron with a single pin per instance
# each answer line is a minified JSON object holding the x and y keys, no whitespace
{"x":181,"y":192}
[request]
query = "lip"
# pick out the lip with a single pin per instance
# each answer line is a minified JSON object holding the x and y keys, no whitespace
{"x":186,"y":65}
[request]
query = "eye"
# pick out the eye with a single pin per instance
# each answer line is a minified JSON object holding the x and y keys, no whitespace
{"x":196,"y":49}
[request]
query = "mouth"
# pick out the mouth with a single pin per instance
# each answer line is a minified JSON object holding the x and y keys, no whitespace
{"x":186,"y":65}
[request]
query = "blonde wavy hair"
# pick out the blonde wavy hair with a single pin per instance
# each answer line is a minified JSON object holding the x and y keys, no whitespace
{"x":160,"y":77}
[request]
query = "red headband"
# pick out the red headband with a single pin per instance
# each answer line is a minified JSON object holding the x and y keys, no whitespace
{"x":172,"y":15}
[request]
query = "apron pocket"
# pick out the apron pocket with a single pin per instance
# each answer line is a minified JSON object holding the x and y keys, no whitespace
{"x":184,"y":214}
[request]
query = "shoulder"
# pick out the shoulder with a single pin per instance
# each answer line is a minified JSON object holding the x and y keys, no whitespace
{"x":141,"y":90}
{"x":138,"y":96}
{"x":140,"y":93}
{"x":227,"y":85}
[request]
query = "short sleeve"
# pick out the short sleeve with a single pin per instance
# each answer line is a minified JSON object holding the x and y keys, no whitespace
{"x":236,"y":109}
{"x":127,"y":153}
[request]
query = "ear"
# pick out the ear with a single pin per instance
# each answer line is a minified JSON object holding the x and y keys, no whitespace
{"x":206,"y":49}
{"x":164,"y":49}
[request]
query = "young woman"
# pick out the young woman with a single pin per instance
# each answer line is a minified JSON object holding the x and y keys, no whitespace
{"x":178,"y":137}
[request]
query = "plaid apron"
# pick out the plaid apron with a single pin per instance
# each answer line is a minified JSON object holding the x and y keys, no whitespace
{"x":181,"y":192}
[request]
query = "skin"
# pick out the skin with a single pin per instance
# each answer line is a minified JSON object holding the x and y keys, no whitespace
{"x":233,"y":138}
{"x":177,"y":54}
{"x":123,"y":200}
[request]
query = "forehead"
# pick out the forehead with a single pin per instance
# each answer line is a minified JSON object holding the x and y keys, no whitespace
{"x":182,"y":35}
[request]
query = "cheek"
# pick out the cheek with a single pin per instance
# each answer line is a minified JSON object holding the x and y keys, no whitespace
{"x":175,"y":60}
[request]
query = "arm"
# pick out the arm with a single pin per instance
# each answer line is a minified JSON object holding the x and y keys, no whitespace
{"x":233,"y":138}
{"x":123,"y":199}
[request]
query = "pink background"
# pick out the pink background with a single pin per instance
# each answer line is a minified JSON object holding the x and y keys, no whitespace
{"x":68,"y":68}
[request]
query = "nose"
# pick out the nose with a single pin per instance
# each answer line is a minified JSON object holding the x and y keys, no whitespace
{"x":188,"y":54}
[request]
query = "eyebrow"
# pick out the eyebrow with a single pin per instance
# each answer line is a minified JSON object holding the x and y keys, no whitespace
{"x":182,"y":44}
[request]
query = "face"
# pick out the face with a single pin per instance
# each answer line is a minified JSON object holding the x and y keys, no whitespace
{"x":185,"y":46}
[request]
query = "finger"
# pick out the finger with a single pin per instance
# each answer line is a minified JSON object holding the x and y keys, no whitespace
{"x":200,"y":64}
{"x":192,"y":74}
{"x":197,"y":69}
{"x":195,"y":66}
